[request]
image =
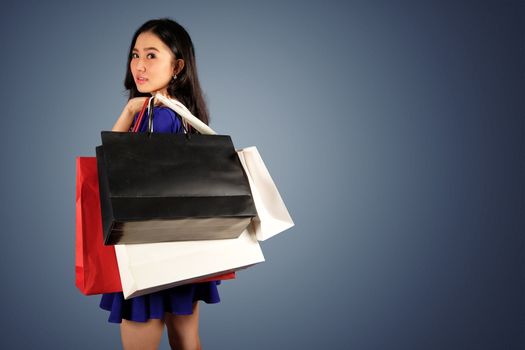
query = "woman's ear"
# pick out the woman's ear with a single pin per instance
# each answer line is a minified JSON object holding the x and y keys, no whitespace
{"x":179,"y":65}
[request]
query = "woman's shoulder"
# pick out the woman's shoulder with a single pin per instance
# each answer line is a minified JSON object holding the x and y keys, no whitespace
{"x":167,"y":119}
{"x":163,"y":110}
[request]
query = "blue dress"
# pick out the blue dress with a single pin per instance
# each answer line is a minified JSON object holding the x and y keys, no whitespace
{"x":177,"y":300}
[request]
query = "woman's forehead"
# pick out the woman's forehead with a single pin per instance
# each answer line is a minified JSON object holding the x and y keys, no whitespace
{"x":148,"y":40}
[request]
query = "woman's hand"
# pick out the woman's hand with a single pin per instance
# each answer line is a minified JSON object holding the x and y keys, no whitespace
{"x":133,"y":106}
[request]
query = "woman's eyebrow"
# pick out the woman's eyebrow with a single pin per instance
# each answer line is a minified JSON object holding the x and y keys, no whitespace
{"x":146,"y":49}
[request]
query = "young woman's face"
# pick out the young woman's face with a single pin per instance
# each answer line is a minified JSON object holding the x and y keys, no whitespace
{"x":152,"y":64}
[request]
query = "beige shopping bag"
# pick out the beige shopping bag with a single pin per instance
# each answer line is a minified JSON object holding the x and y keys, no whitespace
{"x":147,"y":268}
{"x":272,"y":215}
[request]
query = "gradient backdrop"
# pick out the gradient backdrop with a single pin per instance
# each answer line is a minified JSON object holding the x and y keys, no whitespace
{"x":393,"y":129}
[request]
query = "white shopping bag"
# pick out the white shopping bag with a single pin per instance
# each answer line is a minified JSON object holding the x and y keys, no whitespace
{"x":272,"y":215}
{"x":147,"y":268}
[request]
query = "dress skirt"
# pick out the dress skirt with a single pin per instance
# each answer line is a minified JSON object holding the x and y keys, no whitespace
{"x":177,"y":300}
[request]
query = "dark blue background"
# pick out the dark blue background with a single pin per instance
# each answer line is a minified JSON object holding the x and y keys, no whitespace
{"x":394,"y":130}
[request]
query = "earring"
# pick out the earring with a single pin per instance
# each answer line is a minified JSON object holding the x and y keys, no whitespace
{"x":174,"y":76}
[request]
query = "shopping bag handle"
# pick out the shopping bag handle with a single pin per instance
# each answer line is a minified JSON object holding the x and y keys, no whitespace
{"x":185,"y":113}
{"x":149,"y":105}
{"x":139,"y":118}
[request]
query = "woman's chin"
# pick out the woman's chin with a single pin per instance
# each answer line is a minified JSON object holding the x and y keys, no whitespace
{"x":144,"y":90}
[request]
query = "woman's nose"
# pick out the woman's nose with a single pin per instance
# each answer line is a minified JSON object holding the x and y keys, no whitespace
{"x":140,"y":65}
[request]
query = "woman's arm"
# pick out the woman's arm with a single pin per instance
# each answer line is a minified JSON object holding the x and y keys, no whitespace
{"x":126,"y":117}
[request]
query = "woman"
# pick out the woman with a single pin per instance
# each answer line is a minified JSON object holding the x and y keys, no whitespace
{"x":161,"y":60}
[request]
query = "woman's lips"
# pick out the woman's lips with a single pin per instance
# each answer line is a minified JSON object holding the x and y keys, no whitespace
{"x":141,"y":80}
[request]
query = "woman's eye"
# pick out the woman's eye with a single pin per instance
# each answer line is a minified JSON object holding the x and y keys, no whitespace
{"x":149,"y":55}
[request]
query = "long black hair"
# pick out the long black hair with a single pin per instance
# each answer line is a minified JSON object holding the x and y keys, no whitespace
{"x":186,"y":87}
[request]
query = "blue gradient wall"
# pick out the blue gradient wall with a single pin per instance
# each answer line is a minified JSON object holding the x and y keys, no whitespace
{"x":394,"y":130}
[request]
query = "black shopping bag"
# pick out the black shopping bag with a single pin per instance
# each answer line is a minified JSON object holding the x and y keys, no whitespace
{"x":159,"y":187}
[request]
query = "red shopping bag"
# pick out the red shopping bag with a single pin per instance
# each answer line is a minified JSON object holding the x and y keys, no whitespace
{"x":96,"y":264}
